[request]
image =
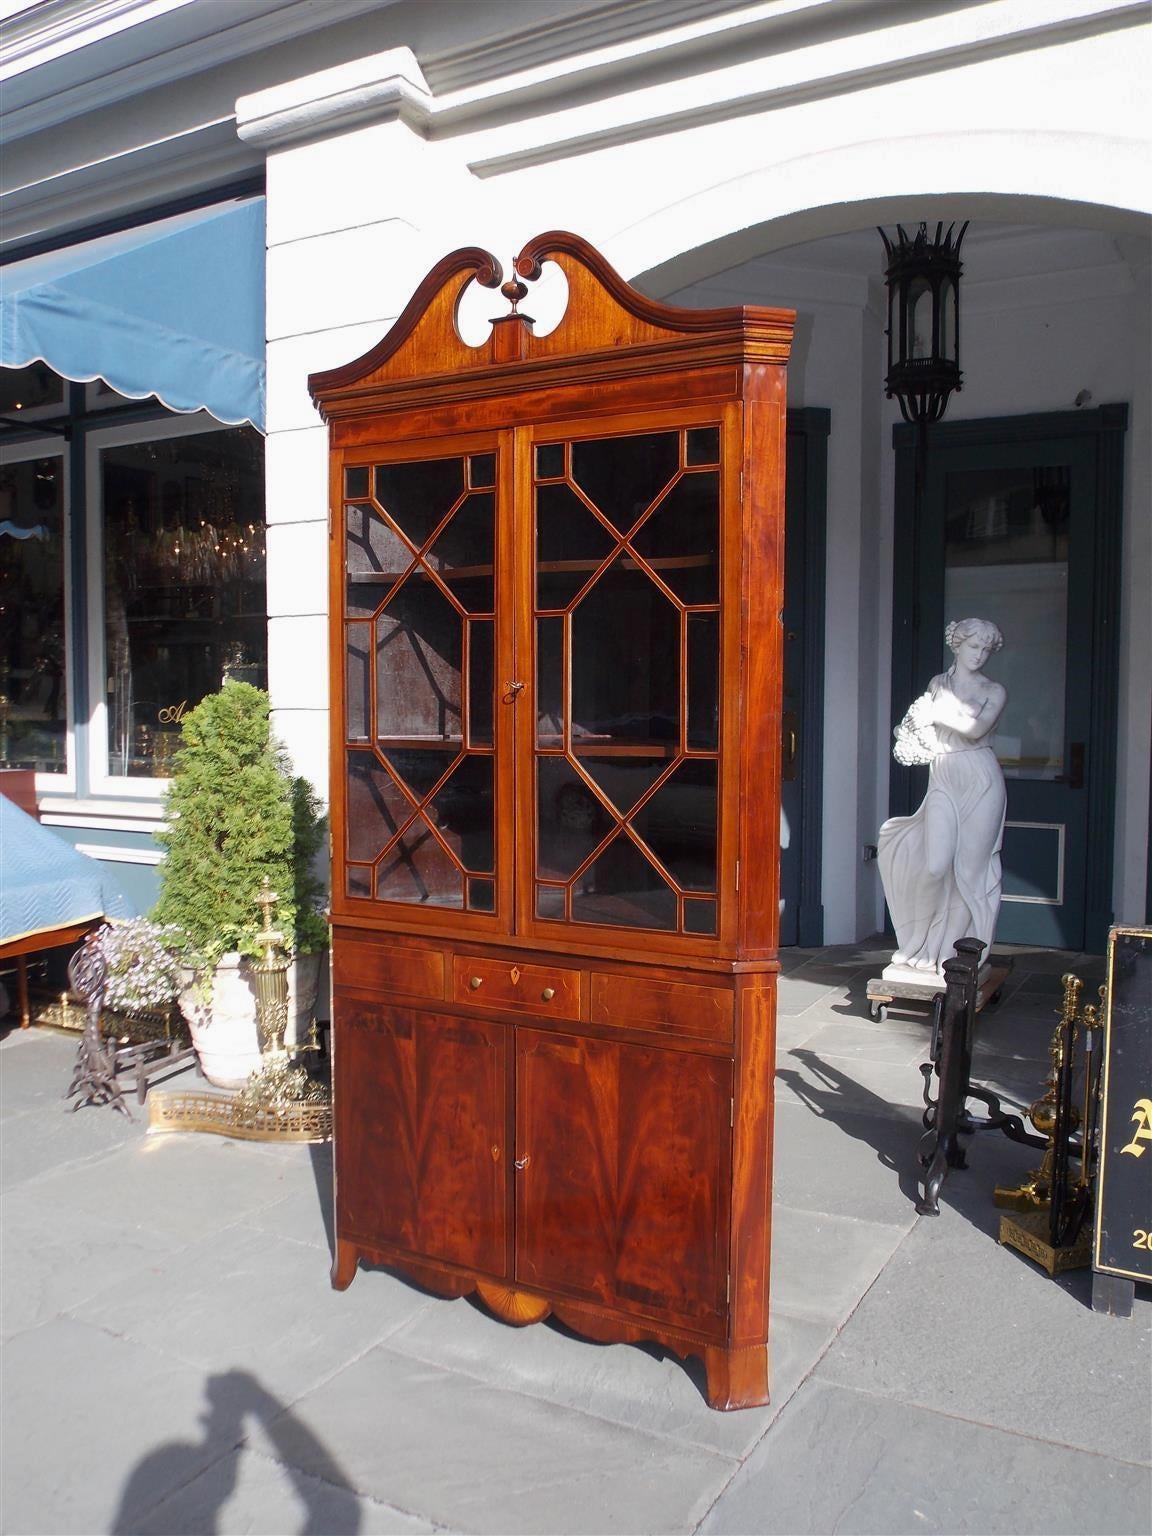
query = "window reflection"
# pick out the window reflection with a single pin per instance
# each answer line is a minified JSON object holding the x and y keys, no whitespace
{"x":184,"y":589}
{"x":33,"y":694}
{"x":30,"y":389}
{"x":1006,"y":559}
{"x":420,"y":560}
{"x":627,"y":651}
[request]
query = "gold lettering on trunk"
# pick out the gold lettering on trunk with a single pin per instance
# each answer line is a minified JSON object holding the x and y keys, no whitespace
{"x":1142,"y":1114}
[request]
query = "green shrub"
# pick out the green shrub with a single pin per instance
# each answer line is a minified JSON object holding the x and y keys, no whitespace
{"x":235,"y":814}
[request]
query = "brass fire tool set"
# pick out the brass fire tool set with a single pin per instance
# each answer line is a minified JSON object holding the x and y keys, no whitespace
{"x":281,"y":1101}
{"x":1049,"y":1208}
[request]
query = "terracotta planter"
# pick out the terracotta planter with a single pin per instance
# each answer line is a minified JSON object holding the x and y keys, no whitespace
{"x":223,"y":1023}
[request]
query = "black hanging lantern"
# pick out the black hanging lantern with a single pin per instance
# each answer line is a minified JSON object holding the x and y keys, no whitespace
{"x":923,"y":277}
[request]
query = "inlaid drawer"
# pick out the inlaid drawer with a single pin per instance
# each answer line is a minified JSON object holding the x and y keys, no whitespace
{"x":396,"y":969}
{"x":669,"y":1007}
{"x":545,"y":990}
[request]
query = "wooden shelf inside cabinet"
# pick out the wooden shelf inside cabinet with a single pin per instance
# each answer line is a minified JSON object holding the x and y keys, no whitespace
{"x":545,"y":567}
{"x":606,"y":746}
{"x":390,"y":578}
{"x":554,"y":924}
{"x":385,"y":742}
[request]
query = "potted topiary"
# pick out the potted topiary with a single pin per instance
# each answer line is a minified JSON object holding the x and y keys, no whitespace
{"x":235,"y":815}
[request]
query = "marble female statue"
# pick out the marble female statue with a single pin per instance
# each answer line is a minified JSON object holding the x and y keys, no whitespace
{"x":941,"y":866}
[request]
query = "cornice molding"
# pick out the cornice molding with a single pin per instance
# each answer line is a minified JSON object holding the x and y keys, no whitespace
{"x":381,"y":88}
{"x":614,"y":27}
{"x":666,"y":80}
{"x":769,"y":80}
{"x":48,"y":29}
{"x":161,"y":63}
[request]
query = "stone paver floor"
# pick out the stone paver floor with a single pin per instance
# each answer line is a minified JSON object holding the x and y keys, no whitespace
{"x":174,"y":1361}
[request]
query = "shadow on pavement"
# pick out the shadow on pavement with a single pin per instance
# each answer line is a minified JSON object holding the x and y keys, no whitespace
{"x":234,"y":1397}
{"x":320,"y":1154}
{"x":992,"y":1158}
{"x":859,"y":1113}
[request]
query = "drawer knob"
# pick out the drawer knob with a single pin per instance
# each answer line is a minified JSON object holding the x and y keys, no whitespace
{"x":548,"y":994}
{"x":476,"y":981}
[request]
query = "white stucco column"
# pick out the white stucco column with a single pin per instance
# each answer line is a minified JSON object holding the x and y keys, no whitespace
{"x":357,"y":207}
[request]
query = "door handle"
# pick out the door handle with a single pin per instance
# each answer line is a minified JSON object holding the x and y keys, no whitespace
{"x":788,"y":746}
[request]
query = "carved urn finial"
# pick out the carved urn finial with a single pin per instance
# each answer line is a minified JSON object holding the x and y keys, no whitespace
{"x":513,"y":290}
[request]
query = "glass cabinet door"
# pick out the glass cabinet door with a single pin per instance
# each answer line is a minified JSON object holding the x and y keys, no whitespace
{"x":626,"y":618}
{"x":419,"y":625}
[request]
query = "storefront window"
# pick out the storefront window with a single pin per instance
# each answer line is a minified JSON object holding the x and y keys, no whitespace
{"x":33,"y":678}
{"x":30,"y":389}
{"x":184,"y":590}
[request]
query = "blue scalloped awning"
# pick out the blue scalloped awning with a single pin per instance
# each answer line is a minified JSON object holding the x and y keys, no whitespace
{"x":173,"y":309}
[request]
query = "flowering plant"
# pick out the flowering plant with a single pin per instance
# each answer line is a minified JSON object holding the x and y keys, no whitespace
{"x":143,"y":968}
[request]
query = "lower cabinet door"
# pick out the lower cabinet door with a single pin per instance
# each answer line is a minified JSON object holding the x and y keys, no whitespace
{"x":421,"y":1160}
{"x":623,"y":1172}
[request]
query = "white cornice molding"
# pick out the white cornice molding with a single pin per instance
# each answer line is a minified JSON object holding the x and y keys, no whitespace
{"x":767,"y":80}
{"x":54,"y":38}
{"x":44,"y":32}
{"x":664,"y":81}
{"x":613,"y":31}
{"x":385,"y":86}
{"x":165,"y":62}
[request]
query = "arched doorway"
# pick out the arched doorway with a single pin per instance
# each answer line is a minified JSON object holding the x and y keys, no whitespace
{"x":1054,"y":320}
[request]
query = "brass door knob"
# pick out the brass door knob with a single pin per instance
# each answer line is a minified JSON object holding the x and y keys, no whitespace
{"x":476,"y":981}
{"x":548,"y":994}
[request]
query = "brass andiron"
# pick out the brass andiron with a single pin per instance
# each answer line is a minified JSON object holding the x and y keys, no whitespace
{"x":280,"y":1101}
{"x":276,"y":1084}
{"x":1048,"y":1206}
{"x":1033,"y":1193}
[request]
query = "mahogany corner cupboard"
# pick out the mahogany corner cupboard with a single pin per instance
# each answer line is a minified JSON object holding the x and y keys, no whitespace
{"x":556,"y":584}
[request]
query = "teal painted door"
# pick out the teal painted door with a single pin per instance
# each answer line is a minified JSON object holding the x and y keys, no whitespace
{"x":1011,"y":531}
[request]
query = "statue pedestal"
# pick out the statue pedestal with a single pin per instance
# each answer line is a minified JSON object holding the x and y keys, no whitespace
{"x":901,"y":984}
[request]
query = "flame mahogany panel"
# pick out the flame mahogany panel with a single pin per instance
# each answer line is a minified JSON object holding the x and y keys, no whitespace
{"x":603,"y":1152}
{"x":622,"y":1194}
{"x":420,"y":1156}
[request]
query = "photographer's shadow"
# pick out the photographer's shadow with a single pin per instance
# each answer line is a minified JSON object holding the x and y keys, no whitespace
{"x":235,"y":1398}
